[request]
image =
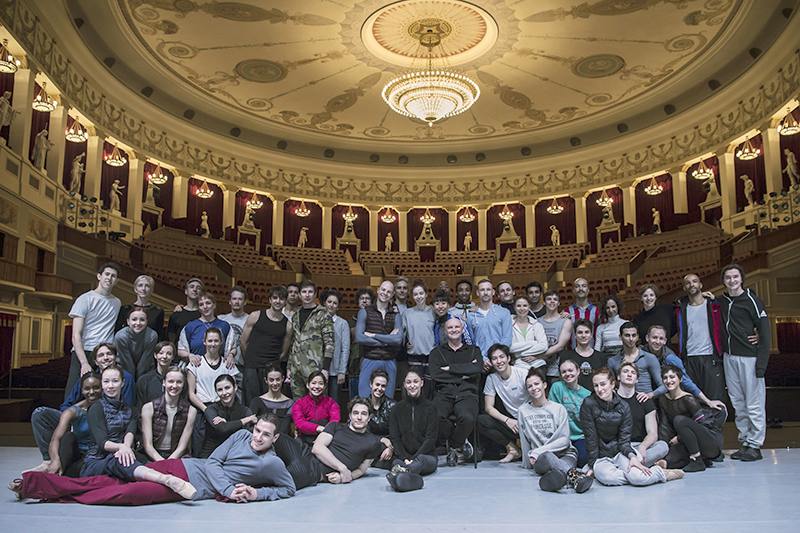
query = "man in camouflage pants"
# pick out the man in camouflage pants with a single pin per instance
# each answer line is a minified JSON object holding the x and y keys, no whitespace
{"x":312,"y":340}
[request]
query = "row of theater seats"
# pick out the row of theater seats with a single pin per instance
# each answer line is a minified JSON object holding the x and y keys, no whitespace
{"x":673,"y":278}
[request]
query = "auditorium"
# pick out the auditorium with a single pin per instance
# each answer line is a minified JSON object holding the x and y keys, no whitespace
{"x":599,"y":201}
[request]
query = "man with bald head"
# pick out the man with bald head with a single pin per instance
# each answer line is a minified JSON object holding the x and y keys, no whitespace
{"x":380,"y":332}
{"x":700,"y":338}
{"x":583,"y":308}
{"x":455,"y":368}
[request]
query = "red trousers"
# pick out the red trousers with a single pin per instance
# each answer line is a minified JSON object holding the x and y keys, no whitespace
{"x":103,"y":490}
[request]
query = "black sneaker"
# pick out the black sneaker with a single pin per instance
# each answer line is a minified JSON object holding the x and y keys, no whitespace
{"x":751,"y":454}
{"x":468,"y":450}
{"x":737,"y":456}
{"x":695,"y":465}
{"x":553,"y":481}
{"x":452,"y":457}
{"x":720,"y":458}
{"x":708,"y":462}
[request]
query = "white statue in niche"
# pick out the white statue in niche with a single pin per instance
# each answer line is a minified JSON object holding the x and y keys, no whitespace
{"x":303,"y":238}
{"x":205,"y":231}
{"x":75,"y":174}
{"x":114,"y":195}
{"x":656,"y":221}
{"x":249,"y":213}
{"x":387,"y":243}
{"x":608,"y":215}
{"x":710,"y":186}
{"x":41,"y":146}
{"x":748,"y":189}
{"x":555,"y":235}
{"x":791,"y":167}
{"x":152,"y":191}
{"x":468,"y":241}
{"x":7,"y":114}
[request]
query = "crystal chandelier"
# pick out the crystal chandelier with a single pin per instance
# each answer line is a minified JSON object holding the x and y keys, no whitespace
{"x":747,"y":152}
{"x":467,"y":215}
{"x":555,"y":208}
{"x":254,"y":202}
{"x":653,"y":188}
{"x":116,"y":159}
{"x":350,"y":216}
{"x":506,"y":214}
{"x":605,"y":200}
{"x":389,"y":215}
{"x":157,"y":176}
{"x":702,"y":172}
{"x":430,"y":93}
{"x":302,"y":211}
{"x":42,"y":101}
{"x":427,"y":218}
{"x":204,"y":191}
{"x":788,"y":125}
{"x":77,"y":133}
{"x":8,"y":65}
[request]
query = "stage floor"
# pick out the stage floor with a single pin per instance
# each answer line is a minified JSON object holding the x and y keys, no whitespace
{"x":732,"y":496}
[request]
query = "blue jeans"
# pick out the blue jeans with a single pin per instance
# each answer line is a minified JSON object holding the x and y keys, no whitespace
{"x":370,"y":365}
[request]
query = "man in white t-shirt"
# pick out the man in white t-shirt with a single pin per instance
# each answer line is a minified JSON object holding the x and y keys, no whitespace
{"x":499,"y":422}
{"x":93,"y":314}
{"x":236,"y":318}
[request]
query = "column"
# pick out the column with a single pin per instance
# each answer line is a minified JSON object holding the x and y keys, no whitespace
{"x":55,"y":157}
{"x":629,"y":204}
{"x":402,"y":216}
{"x":482,"y":230}
{"x":327,"y":224}
{"x":277,"y":220}
{"x":228,"y":207}
{"x":452,"y":216}
{"x":772,"y":159}
{"x":94,"y":166}
{"x":727,"y":179}
{"x":580,"y":216}
{"x":180,"y":195}
{"x":135,"y":189}
{"x":374,"y":245}
{"x":19,"y":135}
{"x":680,"y":196}
{"x":530,"y":224}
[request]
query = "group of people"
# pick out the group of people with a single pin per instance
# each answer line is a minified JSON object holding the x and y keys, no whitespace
{"x":198,"y":409}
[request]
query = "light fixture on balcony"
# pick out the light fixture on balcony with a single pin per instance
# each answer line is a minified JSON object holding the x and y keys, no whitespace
{"x":350,"y":216}
{"x":389,"y":215}
{"x":116,"y":159}
{"x":157,"y":176}
{"x":506,"y":214}
{"x":204,"y":191}
{"x":254,"y":202}
{"x":605,"y":200}
{"x":8,"y":65}
{"x":789,"y":125}
{"x":302,"y":211}
{"x":467,"y":214}
{"x":702,"y":172}
{"x":77,"y":133}
{"x":747,"y":152}
{"x":654,"y":188}
{"x":43,"y":102}
{"x":427,"y":218}
{"x":555,"y":208}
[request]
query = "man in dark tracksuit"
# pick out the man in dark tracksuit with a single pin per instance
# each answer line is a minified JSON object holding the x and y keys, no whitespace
{"x":745,"y":363}
{"x":455,"y":368}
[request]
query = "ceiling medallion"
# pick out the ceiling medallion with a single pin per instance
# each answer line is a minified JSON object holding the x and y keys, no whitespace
{"x":555,"y":208}
{"x":204,"y":191}
{"x":157,"y":176}
{"x":350,"y":216}
{"x":654,"y":188}
{"x":747,"y":152}
{"x":302,"y":211}
{"x":43,"y":102}
{"x":605,"y":200}
{"x":789,"y":125}
{"x":8,"y":65}
{"x":254,"y":202}
{"x":506,"y":214}
{"x":389,"y":215}
{"x":467,"y":214}
{"x":77,"y":133}
{"x":116,"y":159}
{"x":702,"y":172}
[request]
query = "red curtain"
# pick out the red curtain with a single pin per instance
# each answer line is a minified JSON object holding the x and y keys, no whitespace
{"x":110,"y":174}
{"x":662,"y":202}
{"x":792,"y":143}
{"x":594,"y":214}
{"x":292,"y":224}
{"x":360,"y":226}
{"x":6,"y":84}
{"x":262,"y":218}
{"x":384,"y":228}
{"x":463,"y":227}
{"x":564,"y":221}
{"x":494,"y":224}
{"x":71,"y":151}
{"x":212,"y":206}
{"x":440,"y":227}
{"x":7,"y":326}
{"x":754,"y":169}
{"x":163,"y":196}
{"x":697,"y":195}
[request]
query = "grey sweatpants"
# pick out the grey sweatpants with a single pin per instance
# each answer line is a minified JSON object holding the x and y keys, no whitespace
{"x":749,"y":399}
{"x":611,"y":471}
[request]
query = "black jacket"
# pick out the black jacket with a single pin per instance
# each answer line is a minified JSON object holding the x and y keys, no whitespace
{"x":740,"y":314}
{"x":466,"y":361}
{"x":413,"y":425}
{"x":379,"y":419}
{"x":606,"y":427}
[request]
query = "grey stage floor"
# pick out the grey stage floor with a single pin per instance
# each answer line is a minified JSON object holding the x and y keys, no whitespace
{"x":732,"y":496}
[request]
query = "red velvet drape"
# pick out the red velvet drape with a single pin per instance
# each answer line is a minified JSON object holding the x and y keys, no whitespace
{"x":384,"y":228}
{"x":7,"y":327}
{"x":755,"y":170}
{"x":594,"y":215}
{"x":163,"y":196}
{"x":697,"y":195}
{"x":662,"y":202}
{"x":109,"y":174}
{"x":360,"y":227}
{"x":262,"y":218}
{"x":71,"y":151}
{"x":463,"y":227}
{"x":564,"y":221}
{"x":440,"y":227}
{"x":39,"y":121}
{"x":212,"y":206}
{"x":792,"y":143}
{"x":6,"y":84}
{"x":292,"y":224}
{"x":494,"y":224}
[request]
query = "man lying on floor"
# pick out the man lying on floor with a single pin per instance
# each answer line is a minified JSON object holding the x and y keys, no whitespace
{"x":244,"y":468}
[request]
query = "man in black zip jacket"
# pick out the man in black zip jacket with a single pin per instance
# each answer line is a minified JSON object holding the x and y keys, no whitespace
{"x":745,"y":364}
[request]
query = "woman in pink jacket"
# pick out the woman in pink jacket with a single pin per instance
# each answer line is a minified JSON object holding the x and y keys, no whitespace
{"x":314,"y":411}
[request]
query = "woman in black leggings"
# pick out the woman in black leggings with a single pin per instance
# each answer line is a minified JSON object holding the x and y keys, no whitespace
{"x":694,"y":433}
{"x":413,"y":425}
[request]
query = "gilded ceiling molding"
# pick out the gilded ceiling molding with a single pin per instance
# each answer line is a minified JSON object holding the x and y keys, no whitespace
{"x":178,"y":150}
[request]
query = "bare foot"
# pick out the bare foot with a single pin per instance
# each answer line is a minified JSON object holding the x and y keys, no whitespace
{"x":512,"y":455}
{"x":41,"y":468}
